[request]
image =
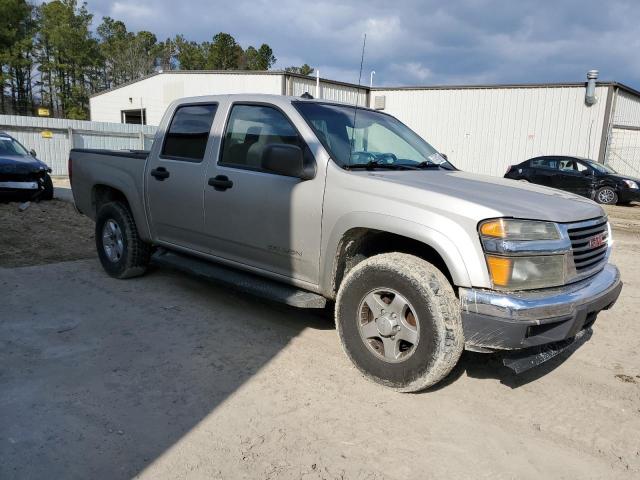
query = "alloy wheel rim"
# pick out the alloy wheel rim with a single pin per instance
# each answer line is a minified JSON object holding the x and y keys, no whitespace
{"x":606,"y":195}
{"x":388,"y":325}
{"x":112,"y":241}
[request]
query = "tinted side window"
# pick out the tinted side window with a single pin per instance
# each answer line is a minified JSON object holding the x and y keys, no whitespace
{"x":250,"y":129}
{"x":551,"y":163}
{"x":188,"y":133}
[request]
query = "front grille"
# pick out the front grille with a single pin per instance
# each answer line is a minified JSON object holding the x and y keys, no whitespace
{"x":589,"y":243}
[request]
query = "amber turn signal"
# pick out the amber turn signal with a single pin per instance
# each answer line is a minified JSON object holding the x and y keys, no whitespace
{"x":494,"y":228}
{"x":500,"y":270}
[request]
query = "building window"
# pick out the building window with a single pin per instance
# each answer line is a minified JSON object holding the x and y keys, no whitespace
{"x":137,"y":116}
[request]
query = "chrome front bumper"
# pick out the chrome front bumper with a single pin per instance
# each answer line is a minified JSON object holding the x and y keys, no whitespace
{"x":499,"y":320}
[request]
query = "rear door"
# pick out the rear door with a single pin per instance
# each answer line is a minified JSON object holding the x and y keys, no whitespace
{"x":262,"y":219}
{"x":175,"y":176}
{"x":543,"y":169}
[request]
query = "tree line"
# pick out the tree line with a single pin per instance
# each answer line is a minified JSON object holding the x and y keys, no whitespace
{"x":50,"y":57}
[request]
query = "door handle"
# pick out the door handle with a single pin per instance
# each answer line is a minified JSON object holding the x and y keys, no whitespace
{"x":160,"y":173}
{"x":220,"y":183}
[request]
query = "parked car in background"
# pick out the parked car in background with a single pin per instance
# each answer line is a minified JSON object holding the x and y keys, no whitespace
{"x":22,"y":175}
{"x":578,"y":175}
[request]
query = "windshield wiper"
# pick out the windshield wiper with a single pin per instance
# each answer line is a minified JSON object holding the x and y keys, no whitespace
{"x":426,"y":164}
{"x":372,"y":165}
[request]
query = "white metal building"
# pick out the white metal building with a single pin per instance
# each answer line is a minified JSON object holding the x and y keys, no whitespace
{"x":482,"y":129}
{"x":151,"y":95}
{"x":485,"y":129}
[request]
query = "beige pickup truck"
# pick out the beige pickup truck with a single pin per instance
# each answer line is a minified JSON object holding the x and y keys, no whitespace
{"x":311,"y":202}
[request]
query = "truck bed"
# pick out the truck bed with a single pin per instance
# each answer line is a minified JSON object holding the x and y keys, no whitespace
{"x":121,"y":170}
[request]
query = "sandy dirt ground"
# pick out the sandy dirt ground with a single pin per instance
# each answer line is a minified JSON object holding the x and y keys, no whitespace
{"x":168,"y":376}
{"x":46,"y":232}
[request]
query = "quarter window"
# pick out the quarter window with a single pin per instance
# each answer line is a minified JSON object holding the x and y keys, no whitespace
{"x":188,"y":133}
{"x":251,"y":128}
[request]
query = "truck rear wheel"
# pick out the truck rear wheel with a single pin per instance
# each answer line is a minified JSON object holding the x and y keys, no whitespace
{"x":399,"y":321}
{"x":121,"y":251}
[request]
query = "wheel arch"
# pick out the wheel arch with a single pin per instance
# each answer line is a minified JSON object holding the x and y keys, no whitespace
{"x":350,"y":244}
{"x":102,"y":193}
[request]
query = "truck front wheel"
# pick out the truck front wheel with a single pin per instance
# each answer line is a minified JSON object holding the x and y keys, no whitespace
{"x":399,"y":321}
{"x":121,"y":251}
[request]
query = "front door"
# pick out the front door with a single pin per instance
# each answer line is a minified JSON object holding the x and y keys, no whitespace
{"x":175,"y":177}
{"x":257,"y":218}
{"x":572,"y":179}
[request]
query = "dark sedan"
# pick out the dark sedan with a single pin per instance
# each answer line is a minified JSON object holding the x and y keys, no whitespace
{"x":22,"y":175}
{"x":578,"y":175}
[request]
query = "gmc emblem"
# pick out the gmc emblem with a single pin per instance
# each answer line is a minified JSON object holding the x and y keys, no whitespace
{"x":597,"y":241}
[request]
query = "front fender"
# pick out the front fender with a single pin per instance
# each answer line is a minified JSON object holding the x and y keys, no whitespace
{"x":462,"y":267}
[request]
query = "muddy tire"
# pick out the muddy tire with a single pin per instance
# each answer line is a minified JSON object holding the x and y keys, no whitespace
{"x":607,"y":196}
{"x":121,"y":251}
{"x":399,"y":322}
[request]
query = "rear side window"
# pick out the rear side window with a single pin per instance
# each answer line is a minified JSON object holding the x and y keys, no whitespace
{"x":187,"y":136}
{"x":551,"y":163}
{"x":250,"y":129}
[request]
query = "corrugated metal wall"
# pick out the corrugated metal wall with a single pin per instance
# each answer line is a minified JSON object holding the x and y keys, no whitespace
{"x":155,"y":93}
{"x":296,"y":86}
{"x":68,"y":134}
{"x":626,"y":110}
{"x":484,"y":130}
{"x":623,"y":152}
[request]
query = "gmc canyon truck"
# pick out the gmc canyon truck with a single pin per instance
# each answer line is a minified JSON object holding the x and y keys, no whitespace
{"x":309,"y":202}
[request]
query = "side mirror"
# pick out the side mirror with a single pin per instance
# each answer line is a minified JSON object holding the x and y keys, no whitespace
{"x":285,"y":160}
{"x":32,"y":152}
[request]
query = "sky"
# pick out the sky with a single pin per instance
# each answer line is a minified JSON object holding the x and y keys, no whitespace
{"x":425,"y":42}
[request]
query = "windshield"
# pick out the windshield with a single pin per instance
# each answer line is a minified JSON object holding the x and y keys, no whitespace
{"x":600,"y":167}
{"x":9,"y":146}
{"x":378,"y":139}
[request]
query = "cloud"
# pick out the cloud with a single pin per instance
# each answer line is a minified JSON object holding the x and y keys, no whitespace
{"x":415,"y":42}
{"x":131,"y":10}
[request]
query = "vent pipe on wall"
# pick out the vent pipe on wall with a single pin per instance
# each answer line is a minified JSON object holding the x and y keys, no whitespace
{"x":590,"y":94}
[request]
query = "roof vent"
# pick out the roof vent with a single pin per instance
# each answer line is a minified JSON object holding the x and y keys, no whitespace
{"x":590,"y":95}
{"x":306,"y":95}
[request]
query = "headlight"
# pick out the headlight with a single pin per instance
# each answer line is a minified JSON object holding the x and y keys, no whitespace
{"x":631,"y":183}
{"x":512,"y":229}
{"x":524,"y":254}
{"x":522,"y":273}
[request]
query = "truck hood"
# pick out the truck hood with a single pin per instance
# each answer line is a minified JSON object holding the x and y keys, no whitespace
{"x":20,"y":165}
{"x":500,"y":197}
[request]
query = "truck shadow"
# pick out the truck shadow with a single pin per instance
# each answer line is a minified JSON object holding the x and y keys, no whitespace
{"x":102,"y":383}
{"x":490,"y":366}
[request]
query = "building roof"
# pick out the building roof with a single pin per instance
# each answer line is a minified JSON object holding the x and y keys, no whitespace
{"x":615,"y":84}
{"x":231,"y":72}
{"x":619,"y":85}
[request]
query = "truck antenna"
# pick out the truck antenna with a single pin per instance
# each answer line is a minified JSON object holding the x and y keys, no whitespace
{"x":355,"y":110}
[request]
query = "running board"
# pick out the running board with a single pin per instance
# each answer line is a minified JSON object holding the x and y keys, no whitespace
{"x":238,"y":280}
